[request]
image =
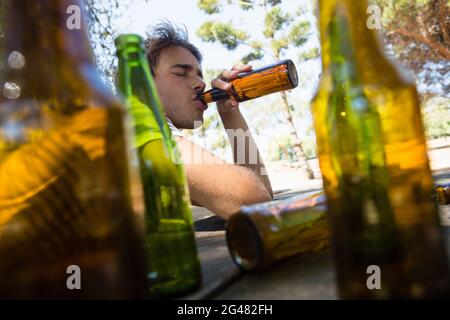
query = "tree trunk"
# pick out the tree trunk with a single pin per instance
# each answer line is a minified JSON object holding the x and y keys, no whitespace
{"x":298,"y":148}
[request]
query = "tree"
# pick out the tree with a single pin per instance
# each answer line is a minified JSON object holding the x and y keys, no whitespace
{"x":275,"y":42}
{"x":417,"y":32}
{"x":436,"y":115}
{"x":100,"y":17}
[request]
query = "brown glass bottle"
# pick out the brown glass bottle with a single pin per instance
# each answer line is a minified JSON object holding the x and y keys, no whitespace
{"x":262,"y":234}
{"x":277,"y":77}
{"x":64,"y":175}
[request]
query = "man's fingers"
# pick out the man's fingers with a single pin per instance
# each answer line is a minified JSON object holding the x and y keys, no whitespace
{"x":220,"y":84}
{"x":242,"y":67}
{"x":228,"y":74}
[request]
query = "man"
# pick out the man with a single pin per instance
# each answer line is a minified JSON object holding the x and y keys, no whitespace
{"x":222,"y":188}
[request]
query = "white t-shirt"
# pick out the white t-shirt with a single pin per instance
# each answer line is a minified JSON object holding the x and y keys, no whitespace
{"x":175,"y":131}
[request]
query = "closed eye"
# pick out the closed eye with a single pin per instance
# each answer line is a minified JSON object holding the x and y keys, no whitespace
{"x":182,"y":70}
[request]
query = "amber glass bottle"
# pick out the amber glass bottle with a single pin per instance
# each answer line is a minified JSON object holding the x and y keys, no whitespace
{"x":375,"y":168}
{"x":64,"y":175}
{"x":277,"y":77}
{"x":263,"y":234}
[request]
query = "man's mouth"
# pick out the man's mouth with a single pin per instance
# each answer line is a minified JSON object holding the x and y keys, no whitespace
{"x":200,"y":105}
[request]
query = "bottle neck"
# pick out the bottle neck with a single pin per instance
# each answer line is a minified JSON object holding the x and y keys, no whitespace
{"x":132,"y":75}
{"x":49,"y":41}
{"x":135,"y":80}
{"x":363,"y":43}
{"x":342,"y":61}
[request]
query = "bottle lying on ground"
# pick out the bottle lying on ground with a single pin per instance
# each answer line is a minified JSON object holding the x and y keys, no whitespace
{"x":261,"y":234}
{"x":277,"y":77}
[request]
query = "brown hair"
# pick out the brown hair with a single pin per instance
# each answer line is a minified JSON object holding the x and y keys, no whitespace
{"x":164,"y":35}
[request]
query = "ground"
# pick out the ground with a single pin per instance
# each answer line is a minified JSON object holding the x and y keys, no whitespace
{"x":287,"y":176}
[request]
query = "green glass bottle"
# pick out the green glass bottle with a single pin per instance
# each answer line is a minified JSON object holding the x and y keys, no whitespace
{"x":375,"y":168}
{"x":171,"y":248}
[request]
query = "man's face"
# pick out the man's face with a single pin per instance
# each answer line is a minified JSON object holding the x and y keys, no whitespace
{"x":178,"y":79}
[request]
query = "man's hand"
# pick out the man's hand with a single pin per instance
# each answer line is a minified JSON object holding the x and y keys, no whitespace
{"x":222,"y":82}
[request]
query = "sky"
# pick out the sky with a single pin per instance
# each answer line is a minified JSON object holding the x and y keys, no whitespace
{"x":141,"y":14}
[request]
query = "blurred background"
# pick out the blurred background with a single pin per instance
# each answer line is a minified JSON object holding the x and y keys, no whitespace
{"x":260,"y":32}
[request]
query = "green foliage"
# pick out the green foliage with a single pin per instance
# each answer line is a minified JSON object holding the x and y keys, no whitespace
{"x":281,"y":148}
{"x":436,"y":117}
{"x":225,"y":33}
{"x":275,"y":23}
{"x":417,"y":32}
{"x":310,"y":147}
{"x":256,"y":54}
{"x":209,"y":6}
{"x":275,"y":20}
{"x":313,"y":53}
{"x":273,"y":2}
{"x":101,"y":15}
{"x":393,"y":9}
{"x":245,"y":5}
{"x":300,"y":33}
{"x":278,"y":45}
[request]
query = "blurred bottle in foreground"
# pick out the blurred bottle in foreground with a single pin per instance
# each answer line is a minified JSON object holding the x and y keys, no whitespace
{"x":277,"y":77}
{"x":65,"y":207}
{"x":262,"y":234}
{"x":375,"y":168}
{"x":171,"y":249}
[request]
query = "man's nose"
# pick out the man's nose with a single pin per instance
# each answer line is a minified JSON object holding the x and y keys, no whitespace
{"x":199,"y":85}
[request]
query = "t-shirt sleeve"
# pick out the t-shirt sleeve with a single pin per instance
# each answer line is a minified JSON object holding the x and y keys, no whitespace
{"x":175,"y":131}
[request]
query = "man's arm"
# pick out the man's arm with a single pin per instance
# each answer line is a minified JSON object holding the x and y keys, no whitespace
{"x":245,"y":150}
{"x":220,"y":187}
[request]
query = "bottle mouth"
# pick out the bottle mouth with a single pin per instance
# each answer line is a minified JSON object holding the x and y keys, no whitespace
{"x":244,"y":242}
{"x":125,"y":41}
{"x":292,"y":73}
